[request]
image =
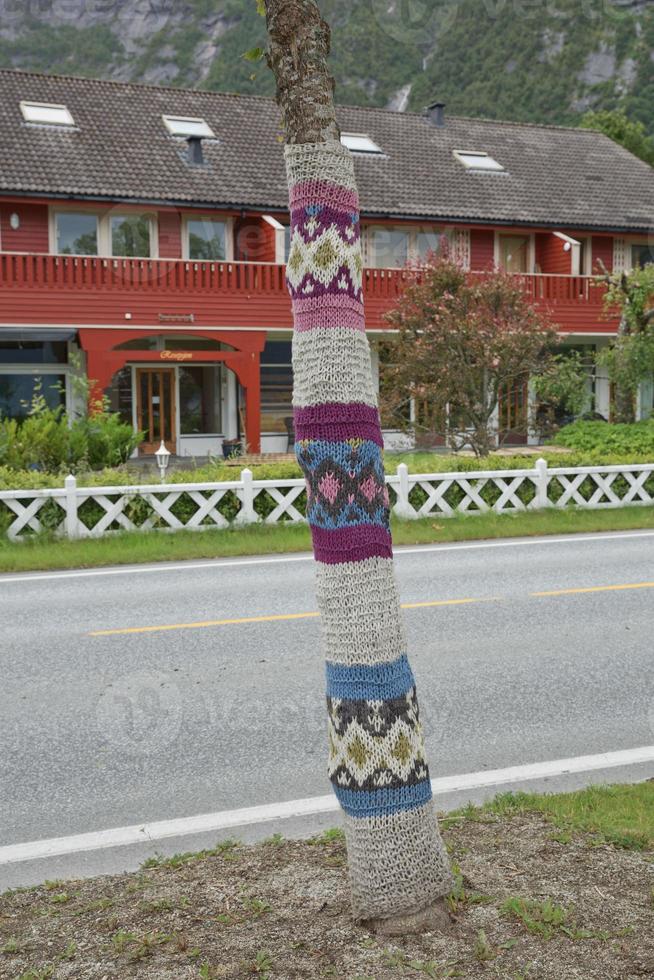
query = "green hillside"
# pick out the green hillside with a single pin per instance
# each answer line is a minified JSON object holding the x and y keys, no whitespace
{"x":510,"y":59}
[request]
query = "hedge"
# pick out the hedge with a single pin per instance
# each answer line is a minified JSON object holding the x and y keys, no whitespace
{"x":138,"y":510}
{"x":626,"y":438}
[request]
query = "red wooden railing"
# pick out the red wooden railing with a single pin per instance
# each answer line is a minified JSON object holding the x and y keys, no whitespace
{"x":91,"y":272}
{"x":87,"y":288}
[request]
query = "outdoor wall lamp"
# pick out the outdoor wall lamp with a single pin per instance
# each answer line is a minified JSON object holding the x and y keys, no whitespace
{"x":162,"y":457}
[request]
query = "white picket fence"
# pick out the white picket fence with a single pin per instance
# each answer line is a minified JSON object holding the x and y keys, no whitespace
{"x":76,"y":512}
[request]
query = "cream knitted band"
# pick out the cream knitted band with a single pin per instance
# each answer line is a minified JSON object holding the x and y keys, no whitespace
{"x":376,"y":748}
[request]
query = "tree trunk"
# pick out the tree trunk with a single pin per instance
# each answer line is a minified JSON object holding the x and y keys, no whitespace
{"x":397,"y":864}
{"x":624,"y":408}
{"x":623,"y":402}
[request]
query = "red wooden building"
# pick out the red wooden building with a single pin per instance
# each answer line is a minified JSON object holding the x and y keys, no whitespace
{"x":143,"y":240}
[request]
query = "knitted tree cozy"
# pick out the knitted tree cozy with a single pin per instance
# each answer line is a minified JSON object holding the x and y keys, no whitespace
{"x":397,"y":862}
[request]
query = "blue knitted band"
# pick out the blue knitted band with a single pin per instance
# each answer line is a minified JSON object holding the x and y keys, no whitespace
{"x":379,"y":802}
{"x":363,"y":682}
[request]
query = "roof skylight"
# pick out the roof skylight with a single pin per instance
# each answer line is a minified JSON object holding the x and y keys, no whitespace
{"x":477,"y":160}
{"x":46,"y":114}
{"x":188,"y":126}
{"x":360,"y":143}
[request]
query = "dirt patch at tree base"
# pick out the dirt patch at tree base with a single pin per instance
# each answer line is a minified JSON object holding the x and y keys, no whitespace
{"x":529,"y":903}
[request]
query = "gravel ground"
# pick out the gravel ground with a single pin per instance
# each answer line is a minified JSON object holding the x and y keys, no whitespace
{"x":530,"y":903}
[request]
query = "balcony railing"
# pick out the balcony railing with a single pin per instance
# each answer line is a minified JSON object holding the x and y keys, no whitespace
{"x":87,"y":288}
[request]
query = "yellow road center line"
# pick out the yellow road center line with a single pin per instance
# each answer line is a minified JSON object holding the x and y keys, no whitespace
{"x":263,"y":619}
{"x":597,"y":588}
{"x":448,"y":602}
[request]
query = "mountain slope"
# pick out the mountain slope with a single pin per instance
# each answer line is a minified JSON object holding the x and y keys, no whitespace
{"x":510,"y":59}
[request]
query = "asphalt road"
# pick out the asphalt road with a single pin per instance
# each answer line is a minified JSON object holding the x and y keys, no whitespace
{"x":106,"y":721}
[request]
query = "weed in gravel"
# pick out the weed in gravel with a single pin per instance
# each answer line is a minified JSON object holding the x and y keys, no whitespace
{"x":483,"y":951}
{"x":69,"y":952}
{"x":396,"y":959}
{"x":459,"y":898}
{"x":223,"y":849}
{"x":38,"y":973}
{"x":329,"y":836}
{"x":99,"y":905}
{"x":261,"y":964}
{"x":540,"y":918}
{"x":276,"y":840}
{"x":155,"y":905}
{"x":255,"y":906}
{"x":60,"y":898}
{"x":11,"y":946}
{"x":209,"y":972}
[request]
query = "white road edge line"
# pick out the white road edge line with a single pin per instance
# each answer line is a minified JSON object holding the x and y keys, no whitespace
{"x":226,"y":819}
{"x":209,"y":565}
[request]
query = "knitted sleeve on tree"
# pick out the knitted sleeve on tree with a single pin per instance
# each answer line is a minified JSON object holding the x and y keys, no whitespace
{"x":376,"y":749}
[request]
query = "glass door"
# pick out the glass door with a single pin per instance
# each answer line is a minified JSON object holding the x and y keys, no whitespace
{"x":155,"y":406}
{"x":514,"y":253}
{"x":513,"y":412}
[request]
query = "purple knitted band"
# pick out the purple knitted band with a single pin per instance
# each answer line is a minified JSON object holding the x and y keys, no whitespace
{"x":340,"y":311}
{"x":307,"y":192}
{"x":335,"y":422}
{"x":347,"y":544}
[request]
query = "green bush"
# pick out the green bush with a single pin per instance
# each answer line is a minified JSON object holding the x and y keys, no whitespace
{"x":46,"y":440}
{"x":629,"y":439}
{"x":108,"y":440}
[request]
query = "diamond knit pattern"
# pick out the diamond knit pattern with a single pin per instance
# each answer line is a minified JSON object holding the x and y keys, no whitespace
{"x":345,"y":483}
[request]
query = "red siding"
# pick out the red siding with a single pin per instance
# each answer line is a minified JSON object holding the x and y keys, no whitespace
{"x":254,"y":240}
{"x":602,"y":249}
{"x":551,"y":255}
{"x":32,"y":236}
{"x":482,"y":250}
{"x":170,"y":235}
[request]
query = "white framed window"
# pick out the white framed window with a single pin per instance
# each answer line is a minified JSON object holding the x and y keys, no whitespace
{"x":392,"y":246}
{"x":477,"y":160}
{"x":76,"y":232}
{"x":640,"y":254}
{"x":186,"y":126}
{"x":46,"y":114}
{"x":132,"y":235}
{"x":207,"y":238}
{"x":515,"y":252}
{"x":361,"y":143}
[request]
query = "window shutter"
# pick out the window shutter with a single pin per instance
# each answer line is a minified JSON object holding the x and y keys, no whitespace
{"x":619,"y":255}
{"x":461,"y":247}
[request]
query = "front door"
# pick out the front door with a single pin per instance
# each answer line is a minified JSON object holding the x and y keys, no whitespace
{"x":155,"y":408}
{"x":513,"y":413}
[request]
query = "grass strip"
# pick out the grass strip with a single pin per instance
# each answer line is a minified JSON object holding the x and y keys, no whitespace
{"x":48,"y":553}
{"x":620,"y":814}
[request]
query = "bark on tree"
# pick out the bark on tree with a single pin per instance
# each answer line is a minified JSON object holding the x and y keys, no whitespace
{"x":398,"y":867}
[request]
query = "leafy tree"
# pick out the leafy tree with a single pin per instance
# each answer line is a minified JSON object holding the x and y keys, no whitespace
{"x":617,"y":125}
{"x":463,"y":343}
{"x":630,"y":359}
{"x":560,"y":390}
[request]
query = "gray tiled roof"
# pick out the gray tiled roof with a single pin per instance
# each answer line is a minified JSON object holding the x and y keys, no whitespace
{"x":120,"y":150}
